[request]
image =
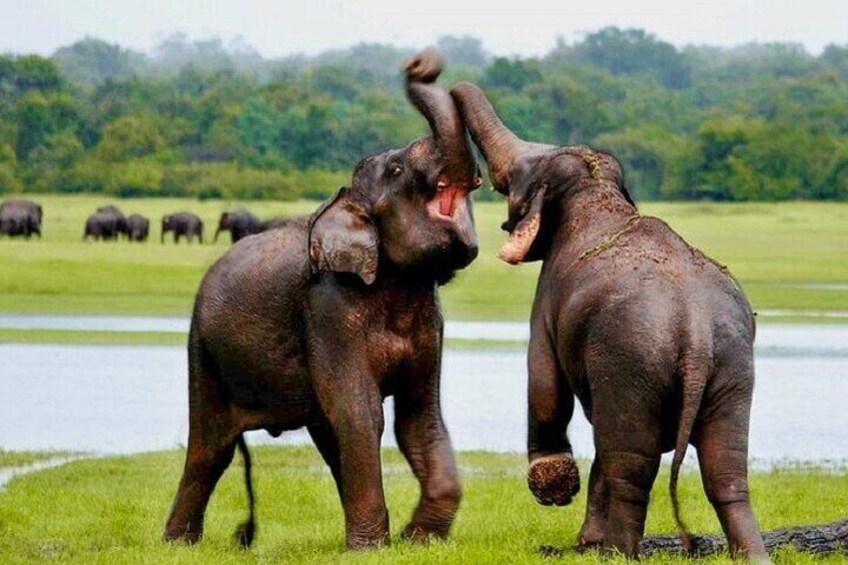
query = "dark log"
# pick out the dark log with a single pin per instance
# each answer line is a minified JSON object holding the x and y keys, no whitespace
{"x":827,"y":538}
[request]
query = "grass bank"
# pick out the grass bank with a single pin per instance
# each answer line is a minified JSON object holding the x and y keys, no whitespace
{"x":789,"y":256}
{"x":112,"y":511}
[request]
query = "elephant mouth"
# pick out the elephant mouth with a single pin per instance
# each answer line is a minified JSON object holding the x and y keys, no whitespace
{"x":447,"y":200}
{"x":523,"y":231}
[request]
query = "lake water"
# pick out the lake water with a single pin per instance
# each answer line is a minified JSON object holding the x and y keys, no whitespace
{"x":124,"y":399}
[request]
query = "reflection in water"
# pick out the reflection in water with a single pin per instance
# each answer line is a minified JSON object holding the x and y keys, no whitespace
{"x":119,"y":399}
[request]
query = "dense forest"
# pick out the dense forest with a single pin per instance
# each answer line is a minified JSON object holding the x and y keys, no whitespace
{"x":217,"y":120}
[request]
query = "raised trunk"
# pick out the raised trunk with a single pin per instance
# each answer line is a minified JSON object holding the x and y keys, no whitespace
{"x":499,"y":145}
{"x":441,"y":113}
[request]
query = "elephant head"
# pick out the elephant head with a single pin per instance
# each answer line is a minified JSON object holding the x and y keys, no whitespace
{"x":531,"y":175}
{"x":223,"y":224}
{"x":408,"y":210}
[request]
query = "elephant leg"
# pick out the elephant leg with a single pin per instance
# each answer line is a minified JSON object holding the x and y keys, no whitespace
{"x":211,"y":444}
{"x":628,"y":440}
{"x":722,"y":444}
{"x":328,"y":447}
{"x":553,"y":477}
{"x":597,"y":507}
{"x":424,"y":441}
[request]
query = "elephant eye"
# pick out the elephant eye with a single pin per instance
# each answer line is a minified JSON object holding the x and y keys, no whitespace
{"x":396,"y":170}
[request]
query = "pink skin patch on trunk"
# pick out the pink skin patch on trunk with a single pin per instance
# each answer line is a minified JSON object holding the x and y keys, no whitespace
{"x":519,"y":242}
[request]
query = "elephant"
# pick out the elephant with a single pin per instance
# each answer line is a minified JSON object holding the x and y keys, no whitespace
{"x":316,"y":322}
{"x":183,"y":224}
{"x":120,"y":220}
{"x":138,"y":228}
{"x":20,"y":217}
{"x":240,"y":223}
{"x":652,"y":336}
{"x":104,"y":224}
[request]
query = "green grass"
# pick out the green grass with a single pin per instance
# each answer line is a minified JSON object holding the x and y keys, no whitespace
{"x":23,"y":458}
{"x":774,"y":249}
{"x":113,"y":510}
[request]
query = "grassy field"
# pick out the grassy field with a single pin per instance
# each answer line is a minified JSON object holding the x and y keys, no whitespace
{"x":112,"y":511}
{"x":780,"y":252}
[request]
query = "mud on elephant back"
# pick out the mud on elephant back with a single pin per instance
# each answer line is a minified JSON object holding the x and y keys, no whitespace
{"x":315,"y":322}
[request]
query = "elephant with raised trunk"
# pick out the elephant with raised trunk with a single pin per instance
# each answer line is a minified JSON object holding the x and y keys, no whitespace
{"x":654,"y":338}
{"x":182,"y":224}
{"x":315,"y":322}
{"x":20,"y":217}
{"x":240,"y":224}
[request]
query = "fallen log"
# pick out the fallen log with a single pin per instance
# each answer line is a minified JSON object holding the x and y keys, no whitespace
{"x":826,"y":538}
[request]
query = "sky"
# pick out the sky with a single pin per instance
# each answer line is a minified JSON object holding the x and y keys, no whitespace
{"x":517,"y":27}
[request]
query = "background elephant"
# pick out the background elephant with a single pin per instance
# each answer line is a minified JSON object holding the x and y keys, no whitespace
{"x":314,"y":323}
{"x":20,"y":217}
{"x":107,"y":223}
{"x":240,"y":223}
{"x":120,"y":220}
{"x":138,"y":228}
{"x":654,"y":338}
{"x":183,"y":224}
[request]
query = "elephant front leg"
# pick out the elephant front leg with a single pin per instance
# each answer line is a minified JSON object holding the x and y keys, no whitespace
{"x":353,"y":408}
{"x":424,"y":441}
{"x":553,"y":477}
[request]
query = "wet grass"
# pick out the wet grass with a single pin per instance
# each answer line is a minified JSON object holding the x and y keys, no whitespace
{"x":776,"y":250}
{"x":113,"y":510}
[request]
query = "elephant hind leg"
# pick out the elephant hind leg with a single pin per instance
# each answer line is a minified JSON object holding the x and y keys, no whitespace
{"x":722,"y":444}
{"x":211,"y":446}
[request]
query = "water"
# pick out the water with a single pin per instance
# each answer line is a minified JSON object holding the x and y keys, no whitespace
{"x":126,"y":399}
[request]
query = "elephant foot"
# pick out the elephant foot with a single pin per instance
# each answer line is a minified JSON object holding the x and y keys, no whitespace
{"x":423,"y":534}
{"x":590,"y":537}
{"x":554,"y":479}
{"x":245,"y":533}
{"x":186,"y":537}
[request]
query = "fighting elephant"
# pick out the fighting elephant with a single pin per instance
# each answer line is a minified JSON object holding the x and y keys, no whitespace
{"x":316,"y":322}
{"x":654,"y":338}
{"x":240,"y":223}
{"x":183,"y":224}
{"x":107,"y":223}
{"x":138,"y":227}
{"x":20,"y":217}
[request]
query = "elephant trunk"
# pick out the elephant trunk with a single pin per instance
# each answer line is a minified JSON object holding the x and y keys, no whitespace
{"x":437,"y":106}
{"x":499,"y":145}
{"x":215,"y":239}
{"x":164,"y":229}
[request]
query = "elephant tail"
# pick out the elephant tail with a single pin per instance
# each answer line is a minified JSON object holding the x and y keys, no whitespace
{"x":247,"y":529}
{"x":694,"y":373}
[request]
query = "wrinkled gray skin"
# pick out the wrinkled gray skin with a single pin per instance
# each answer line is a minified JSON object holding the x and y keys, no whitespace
{"x":240,"y":224}
{"x":107,"y":223}
{"x":653,"y":337}
{"x":138,"y":228}
{"x":20,"y":217}
{"x":183,"y":224}
{"x":315,"y":322}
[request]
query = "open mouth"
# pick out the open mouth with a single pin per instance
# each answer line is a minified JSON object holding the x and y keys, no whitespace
{"x":447,"y":200}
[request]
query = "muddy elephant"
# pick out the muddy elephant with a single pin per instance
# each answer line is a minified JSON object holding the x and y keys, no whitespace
{"x":183,"y":224}
{"x":654,"y":338}
{"x":138,"y":227}
{"x":20,"y":217}
{"x":278,"y":337}
{"x":240,"y":224}
{"x":107,"y":224}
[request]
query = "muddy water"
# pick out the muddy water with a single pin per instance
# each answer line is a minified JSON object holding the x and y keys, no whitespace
{"x":120,"y":399}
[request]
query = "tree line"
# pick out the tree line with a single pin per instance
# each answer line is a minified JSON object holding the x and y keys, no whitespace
{"x":209,"y":119}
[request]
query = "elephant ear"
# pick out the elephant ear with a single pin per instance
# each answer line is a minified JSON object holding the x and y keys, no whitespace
{"x":343,"y":239}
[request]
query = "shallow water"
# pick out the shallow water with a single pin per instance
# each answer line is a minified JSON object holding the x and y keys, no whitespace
{"x":122,"y":399}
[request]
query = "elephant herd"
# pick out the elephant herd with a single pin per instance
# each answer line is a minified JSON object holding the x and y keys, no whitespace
{"x":315,"y":323}
{"x":19,"y":217}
